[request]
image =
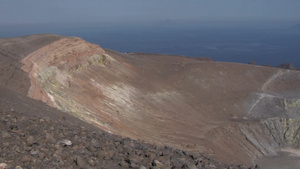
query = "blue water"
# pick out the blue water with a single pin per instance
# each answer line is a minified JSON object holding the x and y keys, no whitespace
{"x":262,"y":45}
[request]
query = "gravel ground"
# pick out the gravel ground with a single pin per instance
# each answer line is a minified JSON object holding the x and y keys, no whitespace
{"x":41,"y":142}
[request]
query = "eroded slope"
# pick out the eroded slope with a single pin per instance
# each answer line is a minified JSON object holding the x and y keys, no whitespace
{"x":234,"y":112}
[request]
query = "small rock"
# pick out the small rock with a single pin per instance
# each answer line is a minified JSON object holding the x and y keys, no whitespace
{"x":76,"y":138}
{"x":92,"y":161}
{"x":18,"y":149}
{"x":212,"y":166}
{"x":151,"y":156}
{"x":133,"y":165}
{"x":45,"y":150}
{"x":80,"y":162}
{"x":41,"y":155}
{"x":143,"y":167}
{"x":65,"y":142}
{"x":118,"y":157}
{"x":30,"y":140}
{"x":157,"y":163}
{"x":109,"y":154}
{"x":135,"y":159}
{"x":199,"y":160}
{"x":47,"y":119}
{"x":18,"y":167}
{"x":25,"y":158}
{"x":34,"y":152}
{"x":23,"y":118}
{"x":96,"y":143}
{"x":5,"y":134}
{"x":91,"y":148}
{"x":189,"y":165}
{"x":3,"y":165}
{"x":179,"y":162}
{"x":124,"y":164}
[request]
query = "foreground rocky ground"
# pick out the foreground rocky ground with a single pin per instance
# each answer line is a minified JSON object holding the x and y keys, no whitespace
{"x":41,"y":142}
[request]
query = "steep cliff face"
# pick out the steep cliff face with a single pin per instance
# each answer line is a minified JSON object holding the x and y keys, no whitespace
{"x":234,"y":112}
{"x":54,"y":65}
{"x":53,"y":68}
{"x":285,"y":132}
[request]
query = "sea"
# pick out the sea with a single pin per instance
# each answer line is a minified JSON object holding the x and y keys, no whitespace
{"x":263,"y":44}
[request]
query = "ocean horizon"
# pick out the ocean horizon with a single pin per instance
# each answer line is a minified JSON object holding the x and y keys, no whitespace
{"x":263,"y":45}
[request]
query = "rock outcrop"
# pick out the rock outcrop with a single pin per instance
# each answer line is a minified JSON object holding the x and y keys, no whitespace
{"x":287,"y":66}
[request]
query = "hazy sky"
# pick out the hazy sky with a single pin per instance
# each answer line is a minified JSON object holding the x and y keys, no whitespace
{"x":83,"y":11}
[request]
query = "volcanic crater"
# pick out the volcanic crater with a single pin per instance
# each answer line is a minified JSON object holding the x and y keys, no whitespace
{"x":234,"y":113}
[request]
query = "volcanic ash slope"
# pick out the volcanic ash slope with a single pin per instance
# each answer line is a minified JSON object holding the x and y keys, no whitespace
{"x":233,"y":112}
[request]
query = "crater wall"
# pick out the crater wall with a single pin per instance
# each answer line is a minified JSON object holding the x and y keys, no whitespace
{"x":233,"y":112}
